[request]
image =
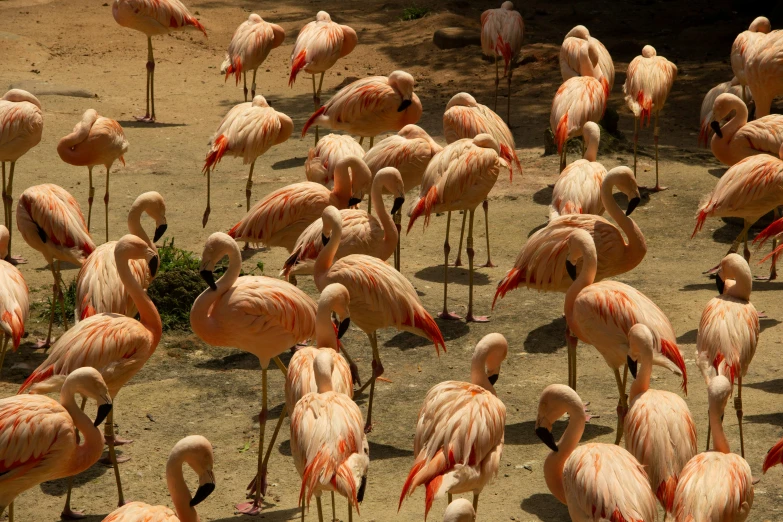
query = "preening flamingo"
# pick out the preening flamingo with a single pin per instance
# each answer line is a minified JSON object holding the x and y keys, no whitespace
{"x":249,"y":47}
{"x":38,"y":434}
{"x":602,"y":314}
{"x":591,"y":478}
{"x":322,"y":158}
{"x":370,"y":106}
{"x":659,"y":428}
{"x":381,"y":297}
{"x":237,"y":312}
{"x":741,"y":46}
{"x":196,"y":452}
{"x":330,"y":449}
{"x":50,"y":221}
{"x":573,"y":42}
{"x":578,"y":189}
{"x":738,"y":138}
{"x":461,"y":510}
{"x":729,"y":330}
{"x":764,"y":67}
{"x":732,"y":87}
{"x":154,"y":17}
{"x":14,"y":300}
{"x":460,"y":431}
{"x":247,"y":131}
{"x":115,"y":345}
{"x":502,"y":32}
{"x":647,"y":85}
{"x":459,"y":178}
{"x":715,"y":485}
{"x":21,"y":126}
{"x":98,"y":286}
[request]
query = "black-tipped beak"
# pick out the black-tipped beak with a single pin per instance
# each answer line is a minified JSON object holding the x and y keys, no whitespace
{"x":571,"y":269}
{"x":546,"y":437}
{"x":720,"y":284}
{"x":159,"y":232}
{"x":632,"y":365}
{"x":344,"y":324}
{"x":202,"y":493}
{"x":354,"y":201}
{"x":324,"y":239}
{"x":103,"y":412}
{"x":716,"y":128}
{"x":404,"y":105}
{"x":153,"y":265}
{"x":493,"y":379}
{"x":209,"y":278}
{"x":632,"y":206}
{"x":397,"y":205}
{"x":362,"y":487}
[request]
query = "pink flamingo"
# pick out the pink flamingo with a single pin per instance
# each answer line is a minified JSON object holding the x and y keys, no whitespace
{"x":115,"y":345}
{"x":775,"y":231}
{"x":95,"y":140}
{"x":14,"y":299}
{"x":459,"y":434}
{"x":50,"y":221}
{"x":659,"y":428}
{"x":194,"y":450}
{"x":227,"y":314}
{"x":729,"y":329}
{"x":461,"y":510}
{"x":247,"y":131}
{"x":381,"y":297}
{"x":322,"y":158}
{"x":249,"y":47}
{"x":98,"y":286}
{"x":459,"y":178}
{"x":707,"y":117}
{"x":742,"y":44}
{"x":330,"y":449}
{"x":370,"y":106}
{"x":763,"y":66}
{"x":737,"y":139}
{"x":602,"y":314}
{"x":573,"y":42}
{"x":153,"y":17}
{"x":590,"y":479}
{"x":502,"y":32}
{"x":39,"y":434}
{"x":578,"y":100}
{"x":21,"y":126}
{"x":715,"y":485}
{"x":647,"y":85}
{"x":578,"y":189}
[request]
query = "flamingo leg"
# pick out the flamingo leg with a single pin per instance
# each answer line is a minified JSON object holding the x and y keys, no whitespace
{"x":352,"y":365}
{"x":68,"y":513}
{"x":489,"y":263}
{"x":109,"y":436}
{"x":656,"y":133}
{"x":318,"y":92}
{"x":10,"y":512}
{"x":5,"y":202}
{"x":709,"y":430}
{"x":735,"y":246}
{"x":258,"y":484}
{"x":497,"y":82}
{"x":2,"y":353}
{"x":253,"y":86}
{"x":398,"y":224}
{"x":48,"y":341}
{"x":449,"y":498}
{"x":334,"y":512}
{"x":571,"y":342}
{"x":320,"y":509}
{"x":369,"y":204}
{"x":475,"y":501}
{"x":208,"y":209}
{"x":149,"y":116}
{"x":350,"y":511}
{"x":746,"y":251}
{"x":635,"y":142}
{"x":316,"y":104}
{"x":372,"y":140}
{"x":738,"y":407}
{"x":361,"y":140}
{"x":508,"y":99}
{"x":622,"y":405}
{"x":244,"y":77}
{"x":90,"y":199}
{"x":445,"y":314}
{"x":62,"y":296}
{"x":470,"y":318}
{"x":106,"y":204}
{"x":249,"y":186}
{"x":458,"y":261}
{"x":9,"y":199}
{"x":564,"y":155}
{"x":377,"y":371}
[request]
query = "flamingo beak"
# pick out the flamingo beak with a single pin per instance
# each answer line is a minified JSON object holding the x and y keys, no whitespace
{"x":397,"y":205}
{"x":324,"y":239}
{"x":493,"y":379}
{"x":720,"y":283}
{"x":571,"y":269}
{"x":159,"y":232}
{"x":103,"y":412}
{"x":632,"y":365}
{"x":202,"y":493}
{"x":404,"y":105}
{"x":546,"y":437}
{"x":344,"y":324}
{"x":632,"y":206}
{"x":362,"y":487}
{"x":209,"y":278}
{"x":716,"y":128}
{"x":153,"y":265}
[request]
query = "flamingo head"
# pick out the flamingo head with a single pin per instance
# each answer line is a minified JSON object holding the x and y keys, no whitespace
{"x":462,"y":99}
{"x":218,"y":246}
{"x":648,"y":51}
{"x":335,"y":298}
{"x":760,"y":25}
{"x":402,"y":82}
{"x":555,"y":401}
{"x":640,"y":347}
{"x":88,"y":382}
{"x":133,"y":247}
{"x":195,"y":451}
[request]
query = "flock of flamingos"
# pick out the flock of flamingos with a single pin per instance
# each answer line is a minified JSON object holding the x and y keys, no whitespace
{"x":460,"y":431}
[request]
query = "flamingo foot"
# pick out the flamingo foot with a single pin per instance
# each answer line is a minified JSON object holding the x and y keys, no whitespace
{"x":449,"y":316}
{"x":16,"y":260}
{"x":550,"y":185}
{"x":773,"y":274}
{"x":656,"y":188}
{"x":251,"y":509}
{"x":43,"y":343}
{"x":251,"y":488}
{"x":476,"y":318}
{"x":72,"y":514}
{"x":457,"y":262}
{"x":119,"y":441}
{"x":762,"y":315}
{"x":754,"y":480}
{"x":488,"y":264}
{"x":106,"y":461}
{"x":145,"y":119}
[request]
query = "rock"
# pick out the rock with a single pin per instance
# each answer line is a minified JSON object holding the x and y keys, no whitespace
{"x":455,"y":37}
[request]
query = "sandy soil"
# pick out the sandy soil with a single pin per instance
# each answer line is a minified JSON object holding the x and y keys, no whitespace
{"x":188,"y":387}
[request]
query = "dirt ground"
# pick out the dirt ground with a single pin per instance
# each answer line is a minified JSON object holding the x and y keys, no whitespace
{"x":61,"y":49}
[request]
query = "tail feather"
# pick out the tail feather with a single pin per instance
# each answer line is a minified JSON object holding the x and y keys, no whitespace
{"x":289,"y":264}
{"x":319,"y":467}
{"x":671,"y":351}
{"x":14,"y":320}
{"x":423,"y":207}
{"x":504,"y":49}
{"x":189,"y":20}
{"x":406,"y":488}
{"x":700,"y":219}
{"x":561,"y":133}
{"x":732,"y":369}
{"x":36,"y":377}
{"x":87,"y":310}
{"x":704,"y":134}
{"x":297,"y":65}
{"x":774,"y":456}
{"x":219,"y":148}
{"x":665,"y":493}
{"x":646,"y":106}
{"x":233,"y":232}
{"x":344,"y":482}
{"x":776,"y":253}
{"x":773,"y":230}
{"x":510,"y":155}
{"x":312,"y":119}
{"x":424,"y":321}
{"x":432,"y":488}
{"x":235,"y":68}
{"x":509,"y":282}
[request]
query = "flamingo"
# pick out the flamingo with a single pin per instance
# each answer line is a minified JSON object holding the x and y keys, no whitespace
{"x":50,"y":221}
{"x":249,"y":47}
{"x":659,"y":427}
{"x":98,"y":287}
{"x":573,"y":42}
{"x":502,"y":32}
{"x":381,"y":297}
{"x":729,"y":329}
{"x":774,"y":456}
{"x":461,"y":510}
{"x":590,"y":479}
{"x":324,"y":156}
{"x":763,"y":63}
{"x":237,"y":312}
{"x":115,"y":345}
{"x":14,"y":299}
{"x":603,"y":313}
{"x":95,"y":140}
{"x":739,"y":138}
{"x":39,"y":435}
{"x":578,"y":100}
{"x":362,"y":232}
{"x":465,"y":118}
{"x":459,"y":178}
{"x":647,"y":85}
{"x":707,"y":117}
{"x":153,"y":17}
{"x":370,"y":106}
{"x":775,"y":231}
{"x":578,"y":189}
{"x":742,"y":44}
{"x":21,"y":126}
{"x":715,"y":485}
{"x":196,"y":452}
{"x":330,"y":449}
{"x":460,"y":431}
{"x":247,"y":131}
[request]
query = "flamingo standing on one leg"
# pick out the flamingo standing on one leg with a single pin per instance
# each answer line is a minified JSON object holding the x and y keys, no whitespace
{"x":381,"y":297}
{"x":50,"y":221}
{"x":98,"y":286}
{"x":154,"y":17}
{"x":249,"y":47}
{"x":460,"y":431}
{"x":322,"y":159}
{"x":21,"y":126}
{"x":247,"y":131}
{"x":14,"y":300}
{"x":194,"y":450}
{"x":591,"y":478}
{"x":573,"y":42}
{"x":39,"y":435}
{"x":738,"y":138}
{"x":240,"y":311}
{"x":707,"y":117}
{"x":742,"y":44}
{"x":502,"y":32}
{"x":764,"y":66}
{"x":95,"y":140}
{"x":115,"y":345}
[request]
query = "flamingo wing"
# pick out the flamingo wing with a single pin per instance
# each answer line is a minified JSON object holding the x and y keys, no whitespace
{"x":728,"y":335}
{"x":254,"y":133}
{"x":317,"y":47}
{"x":764,"y":134}
{"x":569,"y":56}
{"x":410,"y":156}
{"x":300,"y":378}
{"x":21,"y":127}
{"x":647,"y":84}
{"x":371,"y":95}
{"x":467,"y":122}
{"x":141,"y":512}
{"x":162,"y":15}
{"x":360,"y":235}
{"x":578,"y":189}
{"x":577,"y":101}
{"x":708,"y":104}
{"x":714,"y":486}
{"x":14,"y":302}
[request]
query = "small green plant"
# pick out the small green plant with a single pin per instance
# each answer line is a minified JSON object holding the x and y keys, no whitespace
{"x":172,"y":257}
{"x":70,"y":305}
{"x":414,"y":13}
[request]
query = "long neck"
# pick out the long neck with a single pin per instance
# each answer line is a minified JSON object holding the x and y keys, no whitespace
{"x":324,"y":328}
{"x":591,"y":152}
{"x":135,"y":228}
{"x":390,"y":233}
{"x":147,"y":311}
{"x":642,"y":382}
{"x":720,"y":443}
{"x":742,"y":285}
{"x":92,"y":446}
{"x":636,"y":243}
{"x":201,"y":322}
{"x":585,"y":278}
{"x":733,"y":125}
{"x":180,"y":494}
{"x":478,"y":371}
{"x":555,"y":461}
{"x":325,"y":258}
{"x":341,"y":191}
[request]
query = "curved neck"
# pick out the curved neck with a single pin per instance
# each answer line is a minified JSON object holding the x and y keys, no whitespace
{"x":626,"y":224}
{"x":325,"y":335}
{"x":585,"y":278}
{"x":390,"y":233}
{"x":201,"y":322}
{"x":478,"y":371}
{"x":743,"y":284}
{"x":343,"y":182}
{"x":92,"y":446}
{"x":555,"y":461}
{"x":720,"y":442}
{"x":591,"y":151}
{"x":733,"y":125}
{"x":642,"y":382}
{"x":180,"y":494}
{"x":148,"y":313}
{"x":326,"y":256}
{"x":134,"y":225}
